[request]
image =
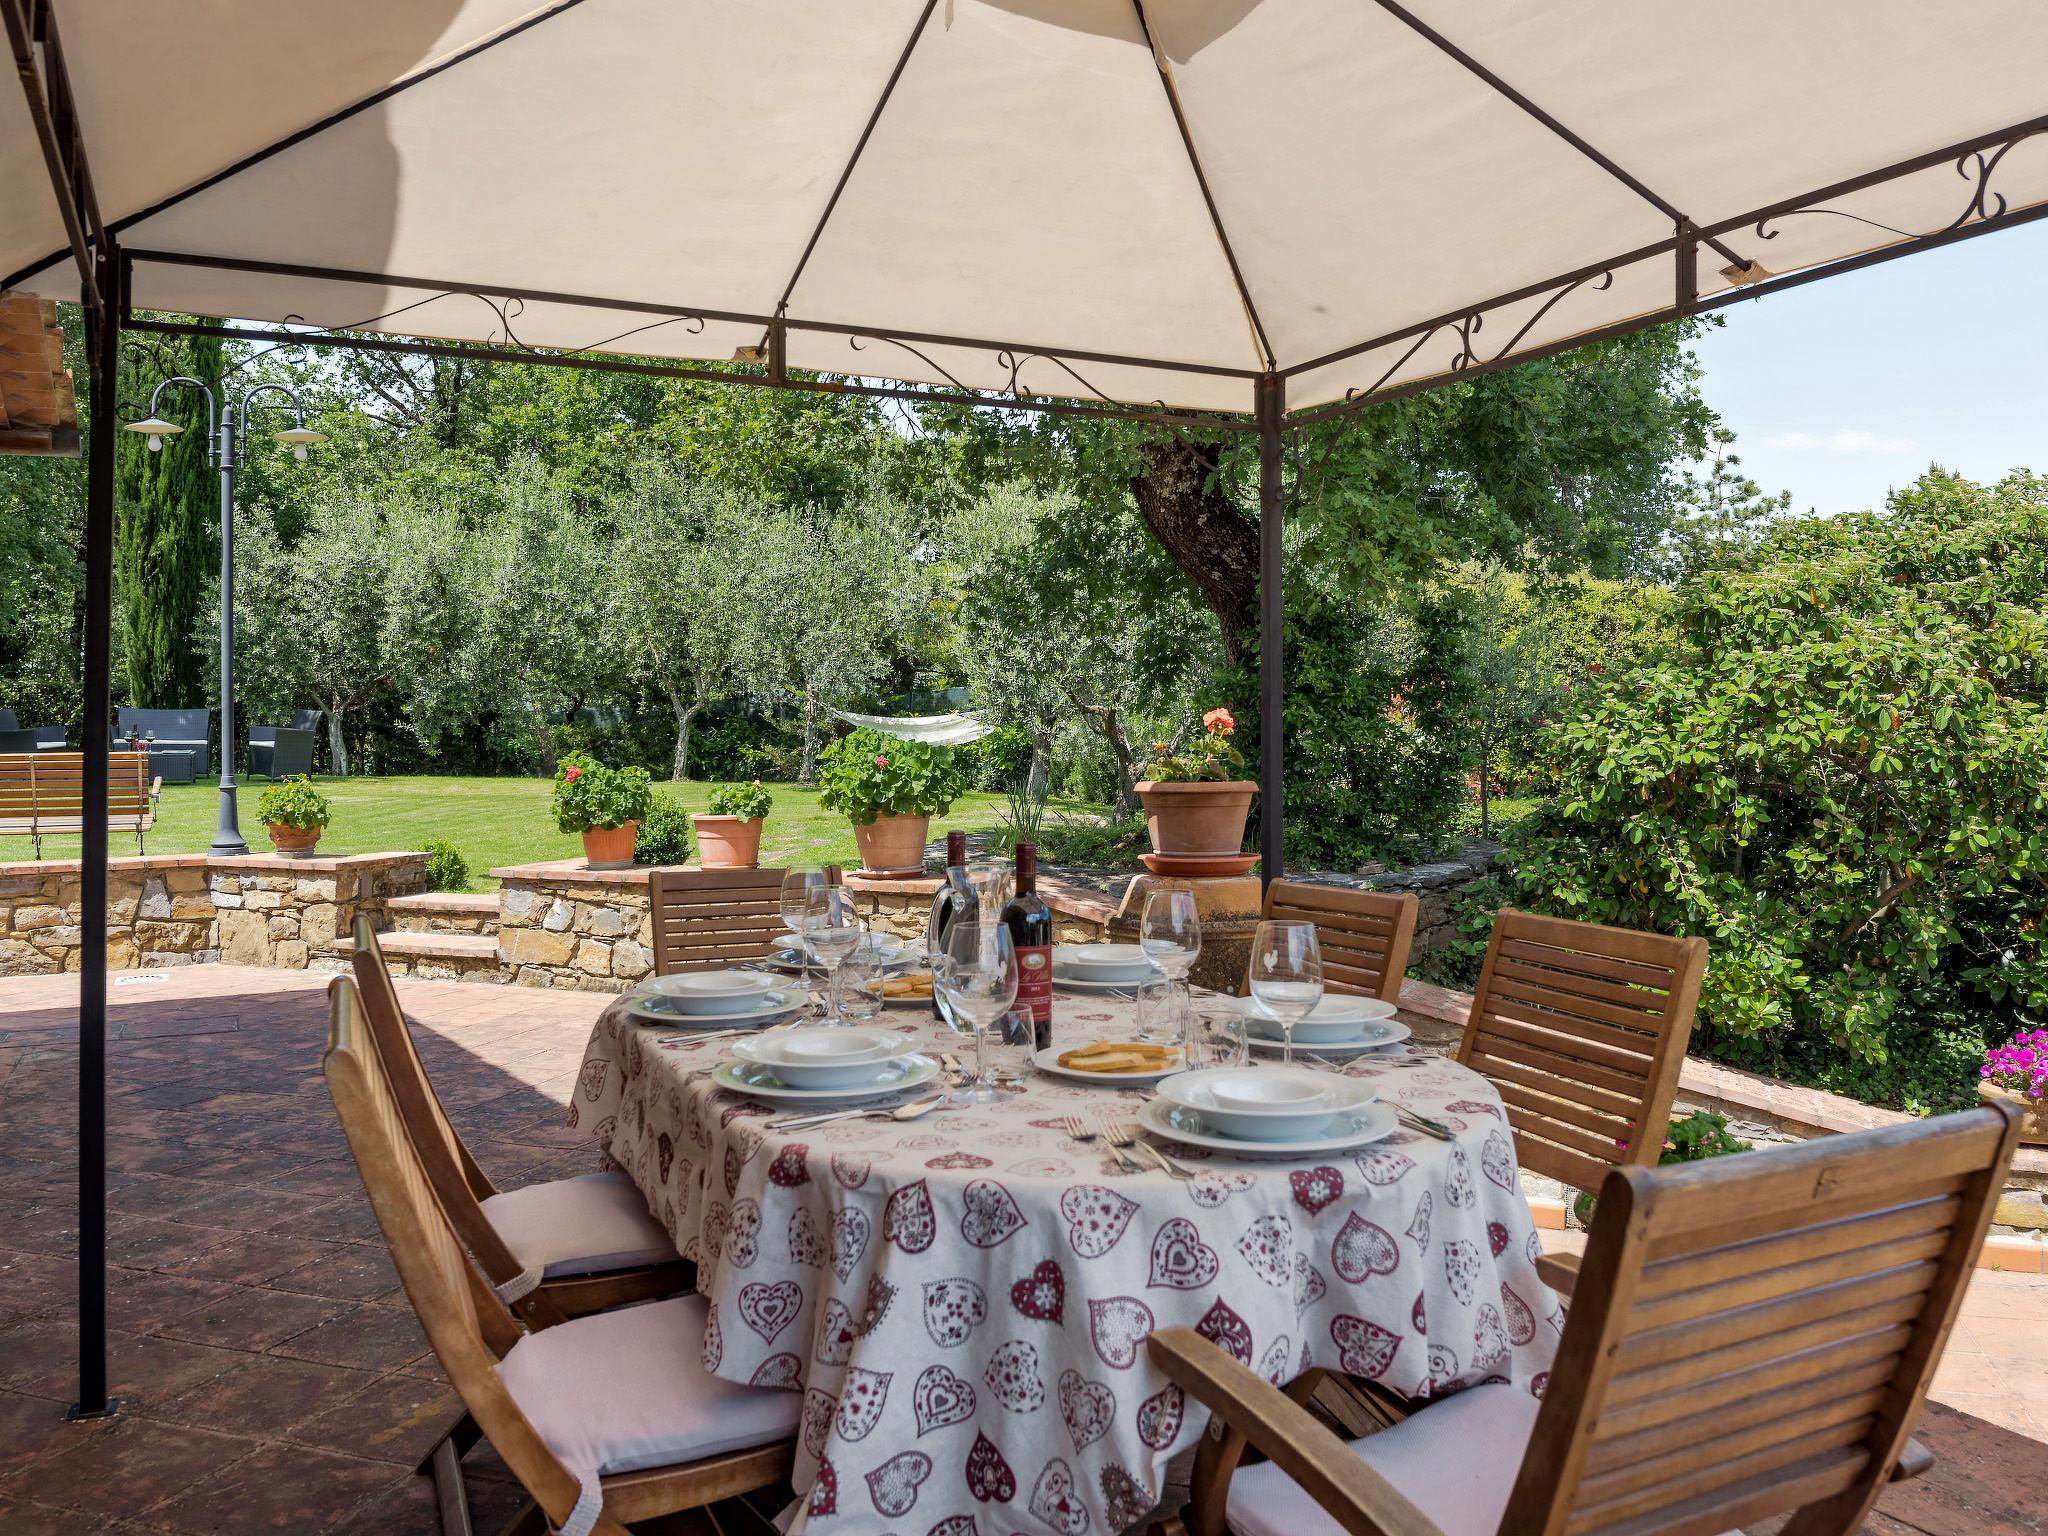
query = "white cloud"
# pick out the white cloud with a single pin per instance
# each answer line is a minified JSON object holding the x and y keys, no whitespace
{"x":1848,"y":440}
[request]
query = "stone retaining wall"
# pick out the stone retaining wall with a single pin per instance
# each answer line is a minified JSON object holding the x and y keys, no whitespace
{"x":560,"y":925}
{"x":181,"y":909}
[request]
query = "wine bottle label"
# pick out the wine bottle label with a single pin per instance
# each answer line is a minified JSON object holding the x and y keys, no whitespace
{"x":1034,"y":981}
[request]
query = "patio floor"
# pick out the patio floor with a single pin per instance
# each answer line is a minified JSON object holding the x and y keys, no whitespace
{"x":272,"y":1377}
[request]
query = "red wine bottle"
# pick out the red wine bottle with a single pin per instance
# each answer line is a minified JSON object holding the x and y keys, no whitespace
{"x":1029,"y":920}
{"x":954,"y":896}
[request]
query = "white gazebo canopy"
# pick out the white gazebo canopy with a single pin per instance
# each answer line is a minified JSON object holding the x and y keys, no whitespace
{"x":1135,"y":201}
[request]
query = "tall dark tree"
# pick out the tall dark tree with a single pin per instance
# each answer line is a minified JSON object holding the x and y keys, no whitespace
{"x":169,"y":540}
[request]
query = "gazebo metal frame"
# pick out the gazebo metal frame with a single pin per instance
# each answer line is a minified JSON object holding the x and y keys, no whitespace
{"x":105,"y":269}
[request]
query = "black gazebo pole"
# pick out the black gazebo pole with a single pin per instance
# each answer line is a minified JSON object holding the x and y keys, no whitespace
{"x":104,"y":341}
{"x":1271,"y":404}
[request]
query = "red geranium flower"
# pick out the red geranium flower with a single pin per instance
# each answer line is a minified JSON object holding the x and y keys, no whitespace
{"x":571,"y":775}
{"x":1219,"y":719}
{"x":881,"y":761}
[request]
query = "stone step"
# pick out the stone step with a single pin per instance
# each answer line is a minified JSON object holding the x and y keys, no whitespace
{"x":438,"y":956}
{"x":444,"y":912}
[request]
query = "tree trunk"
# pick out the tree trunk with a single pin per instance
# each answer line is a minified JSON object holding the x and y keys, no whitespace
{"x":1108,"y":724}
{"x":1211,"y":542}
{"x":810,"y":763}
{"x":685,"y":714}
{"x":1485,"y":816}
{"x":1041,"y":763}
{"x":337,"y":746}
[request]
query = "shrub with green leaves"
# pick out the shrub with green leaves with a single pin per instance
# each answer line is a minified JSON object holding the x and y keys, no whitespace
{"x":588,"y":794}
{"x":447,"y":869}
{"x":664,"y":834}
{"x":745,"y":801}
{"x":1700,"y":1135}
{"x":292,"y":802}
{"x":867,"y":775}
{"x":1839,"y":776}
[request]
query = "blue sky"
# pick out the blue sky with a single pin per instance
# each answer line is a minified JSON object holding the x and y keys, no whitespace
{"x":1844,"y":388}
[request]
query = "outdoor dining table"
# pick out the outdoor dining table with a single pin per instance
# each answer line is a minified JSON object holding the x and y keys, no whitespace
{"x":963,"y":1299}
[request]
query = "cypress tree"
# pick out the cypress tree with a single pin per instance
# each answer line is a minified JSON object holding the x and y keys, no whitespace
{"x":169,"y":540}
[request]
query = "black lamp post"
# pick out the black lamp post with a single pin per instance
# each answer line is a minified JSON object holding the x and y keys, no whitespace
{"x":226,"y":420}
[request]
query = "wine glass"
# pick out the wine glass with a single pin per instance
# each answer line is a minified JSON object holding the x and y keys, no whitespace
{"x":1286,"y":976}
{"x":832,"y":932}
{"x":1171,"y":935}
{"x":977,"y":977}
{"x":801,"y":889}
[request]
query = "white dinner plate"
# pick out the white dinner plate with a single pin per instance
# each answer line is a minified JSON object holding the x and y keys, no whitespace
{"x":759,"y":1083}
{"x":1377,"y":1037}
{"x":807,"y":1058}
{"x":1353,"y":1128}
{"x":707,"y":993}
{"x":892,"y":952}
{"x":1123,"y":963}
{"x":1070,"y":983}
{"x":1048,"y":1062}
{"x":774,"y":1005}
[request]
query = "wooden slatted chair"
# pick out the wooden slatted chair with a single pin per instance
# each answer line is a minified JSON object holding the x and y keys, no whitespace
{"x":1363,"y":935}
{"x":1582,"y":1030}
{"x":604,"y":1420}
{"x":1753,"y":1336}
{"x":706,"y":919}
{"x":559,"y":1248}
{"x":42,"y":793}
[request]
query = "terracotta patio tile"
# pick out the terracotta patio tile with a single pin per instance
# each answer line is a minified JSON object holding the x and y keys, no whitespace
{"x":239,"y":1208}
{"x":142,"y":1301}
{"x":145,"y":1243}
{"x":19,"y":1518}
{"x":248,"y":1259}
{"x":352,"y":1273}
{"x":37,"y":1282}
{"x":30,"y":1427}
{"x":366,"y":1336}
{"x":281,"y":1488}
{"x":264,"y":1395}
{"x":347,"y":1219}
{"x":244,"y":1317}
{"x":125,"y":1465}
{"x":36,"y":1352}
{"x":397,"y":1419}
{"x":405,"y":1507}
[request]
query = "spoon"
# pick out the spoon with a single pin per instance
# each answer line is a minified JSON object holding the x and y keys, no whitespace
{"x":910,"y":1111}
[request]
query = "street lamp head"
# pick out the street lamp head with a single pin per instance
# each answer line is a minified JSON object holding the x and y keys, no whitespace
{"x":299,"y":437}
{"x":158,"y":429}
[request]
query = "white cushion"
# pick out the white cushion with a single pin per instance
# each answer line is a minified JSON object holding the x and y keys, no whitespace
{"x":623,"y":1390}
{"x":1456,"y":1461}
{"x":579,"y":1226}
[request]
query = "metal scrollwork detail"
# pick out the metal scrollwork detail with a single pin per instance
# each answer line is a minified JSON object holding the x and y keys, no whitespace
{"x":1467,"y":327}
{"x":1975,"y":167}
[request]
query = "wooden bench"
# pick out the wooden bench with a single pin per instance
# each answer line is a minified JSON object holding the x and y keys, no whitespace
{"x":44,"y":792}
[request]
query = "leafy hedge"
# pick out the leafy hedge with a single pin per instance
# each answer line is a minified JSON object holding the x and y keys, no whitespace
{"x":1839,"y":775}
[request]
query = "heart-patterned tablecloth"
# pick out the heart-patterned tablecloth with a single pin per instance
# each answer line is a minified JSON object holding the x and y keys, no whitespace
{"x":963,"y":1299}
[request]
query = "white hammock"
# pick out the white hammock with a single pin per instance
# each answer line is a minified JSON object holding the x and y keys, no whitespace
{"x":939,"y":730}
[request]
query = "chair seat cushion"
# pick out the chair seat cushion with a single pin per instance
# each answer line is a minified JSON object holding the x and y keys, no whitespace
{"x":579,"y":1226}
{"x":624,"y":1390}
{"x":1456,"y":1461}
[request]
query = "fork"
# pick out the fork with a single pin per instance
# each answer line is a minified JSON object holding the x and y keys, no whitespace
{"x":1124,"y":1137}
{"x":1079,"y":1130}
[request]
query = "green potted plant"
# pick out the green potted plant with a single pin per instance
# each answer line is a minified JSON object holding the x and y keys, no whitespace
{"x":889,"y":789}
{"x":295,"y":812}
{"x":1196,"y":803}
{"x":604,"y":804}
{"x":729,"y":834}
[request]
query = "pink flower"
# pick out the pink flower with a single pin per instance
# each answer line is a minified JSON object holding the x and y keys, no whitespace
{"x":881,"y":761}
{"x":571,"y":775}
{"x":1219,"y":719}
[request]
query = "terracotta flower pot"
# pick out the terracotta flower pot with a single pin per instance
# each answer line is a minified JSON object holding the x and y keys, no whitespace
{"x":1198,"y":829}
{"x":892,"y":845}
{"x":609,"y":847}
{"x":2034,"y":1128}
{"x":292,"y":839}
{"x":728,"y":842}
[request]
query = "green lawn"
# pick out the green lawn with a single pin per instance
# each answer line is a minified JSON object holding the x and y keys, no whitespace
{"x":493,"y":821}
